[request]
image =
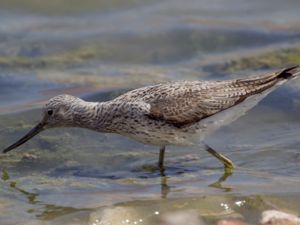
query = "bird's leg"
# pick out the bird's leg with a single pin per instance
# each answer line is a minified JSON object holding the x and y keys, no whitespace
{"x":228,"y":164}
{"x":161,"y":158}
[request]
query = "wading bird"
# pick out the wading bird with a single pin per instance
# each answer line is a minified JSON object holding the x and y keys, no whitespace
{"x":176,"y":113}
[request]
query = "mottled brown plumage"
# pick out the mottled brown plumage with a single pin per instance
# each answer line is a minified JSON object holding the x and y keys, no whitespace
{"x":183,"y":103}
{"x":179,"y":113}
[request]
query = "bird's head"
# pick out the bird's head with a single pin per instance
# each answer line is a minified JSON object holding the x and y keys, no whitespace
{"x":57,"y":112}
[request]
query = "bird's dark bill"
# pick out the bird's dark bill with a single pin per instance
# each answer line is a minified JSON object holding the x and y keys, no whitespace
{"x":34,"y":131}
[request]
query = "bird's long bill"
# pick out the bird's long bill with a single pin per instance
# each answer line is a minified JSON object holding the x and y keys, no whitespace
{"x":34,"y":131}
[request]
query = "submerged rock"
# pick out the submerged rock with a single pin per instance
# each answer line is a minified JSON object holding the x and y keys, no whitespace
{"x":131,"y":215}
{"x":231,"y":222}
{"x":186,"y":217}
{"x":115,"y":215}
{"x":274,"y":217}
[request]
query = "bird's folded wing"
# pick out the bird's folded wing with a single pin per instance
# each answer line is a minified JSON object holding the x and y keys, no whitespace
{"x":192,"y":101}
{"x":188,"y":107}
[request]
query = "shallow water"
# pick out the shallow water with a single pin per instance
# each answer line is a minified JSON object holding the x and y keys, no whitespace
{"x":102,"y":49}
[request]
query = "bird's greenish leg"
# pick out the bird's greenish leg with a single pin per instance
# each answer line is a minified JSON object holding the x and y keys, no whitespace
{"x":161,"y":158}
{"x":228,"y":164}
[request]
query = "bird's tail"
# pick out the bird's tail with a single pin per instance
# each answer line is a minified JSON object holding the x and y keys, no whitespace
{"x":254,"y":85}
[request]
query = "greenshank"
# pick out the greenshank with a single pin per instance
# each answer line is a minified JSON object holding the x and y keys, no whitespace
{"x":175,"y":113}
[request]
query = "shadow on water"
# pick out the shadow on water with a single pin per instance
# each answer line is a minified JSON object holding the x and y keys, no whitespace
{"x":166,"y":188}
{"x":219,"y":183}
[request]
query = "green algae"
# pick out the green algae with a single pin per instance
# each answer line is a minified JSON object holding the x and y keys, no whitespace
{"x":58,"y":60}
{"x":51,"y":212}
{"x":58,"y":7}
{"x":278,"y":58}
{"x":104,"y":82}
{"x":157,"y":48}
{"x":30,"y":196}
{"x":5,"y":175}
{"x":13,"y":184}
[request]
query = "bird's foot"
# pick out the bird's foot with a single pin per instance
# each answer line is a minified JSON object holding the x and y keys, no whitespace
{"x":228,"y":164}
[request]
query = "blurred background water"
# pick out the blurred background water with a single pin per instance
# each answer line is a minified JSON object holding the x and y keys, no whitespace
{"x":99,"y":49}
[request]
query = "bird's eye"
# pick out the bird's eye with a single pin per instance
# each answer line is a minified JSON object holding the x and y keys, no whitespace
{"x":50,"y":112}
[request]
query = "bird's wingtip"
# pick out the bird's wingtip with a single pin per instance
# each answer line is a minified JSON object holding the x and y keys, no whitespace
{"x":289,"y":72}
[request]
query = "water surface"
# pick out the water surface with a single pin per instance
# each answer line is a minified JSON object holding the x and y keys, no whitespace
{"x":99,"y":50}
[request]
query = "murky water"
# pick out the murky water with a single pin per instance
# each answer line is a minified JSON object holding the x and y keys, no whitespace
{"x":100,"y":49}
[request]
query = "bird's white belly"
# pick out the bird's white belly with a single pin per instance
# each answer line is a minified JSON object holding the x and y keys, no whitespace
{"x":162,"y":137}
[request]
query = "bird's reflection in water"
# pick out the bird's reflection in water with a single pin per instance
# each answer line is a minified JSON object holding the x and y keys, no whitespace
{"x":164,"y":187}
{"x":39,"y":209}
{"x":219,"y":184}
{"x":48,"y":211}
